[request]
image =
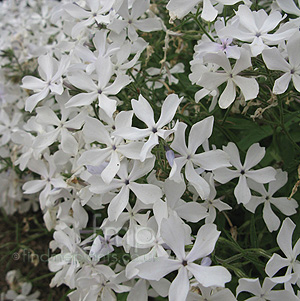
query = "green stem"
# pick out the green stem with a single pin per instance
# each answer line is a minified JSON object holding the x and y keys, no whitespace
{"x":203,"y":29}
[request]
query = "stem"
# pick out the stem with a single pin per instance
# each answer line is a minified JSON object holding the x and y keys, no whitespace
{"x":203,"y":29}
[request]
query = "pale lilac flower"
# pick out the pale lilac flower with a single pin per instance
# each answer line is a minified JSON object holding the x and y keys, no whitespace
{"x":254,"y":155}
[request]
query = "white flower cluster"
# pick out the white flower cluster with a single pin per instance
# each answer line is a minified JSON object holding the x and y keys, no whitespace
{"x":72,"y":145}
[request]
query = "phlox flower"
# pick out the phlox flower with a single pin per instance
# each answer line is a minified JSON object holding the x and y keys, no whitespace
{"x":263,"y":292}
{"x":144,"y":112}
{"x":277,"y":262}
{"x":51,"y":72}
{"x":101,"y":89}
{"x":291,"y":68}
{"x":132,"y":20}
{"x":173,"y":234}
{"x":211,"y":80}
{"x":254,"y":27}
{"x":286,"y":206}
{"x":180,"y":8}
{"x":208,"y":160}
{"x":147,"y":193}
{"x":243,"y":171}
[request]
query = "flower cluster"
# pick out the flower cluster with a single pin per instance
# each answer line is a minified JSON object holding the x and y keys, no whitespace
{"x":90,"y":127}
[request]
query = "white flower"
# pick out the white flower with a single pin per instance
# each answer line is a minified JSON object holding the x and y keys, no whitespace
{"x":211,"y":80}
{"x":100,"y":90}
{"x":208,"y":160}
{"x":277,"y":262}
{"x":190,"y":211}
{"x":98,"y":12}
{"x":254,"y":27}
{"x":144,"y":112}
{"x":254,"y":155}
{"x":173,"y":234}
{"x":180,"y":8}
{"x":291,"y":68}
{"x":211,"y":203}
{"x":49,"y":179}
{"x":131,"y":20}
{"x":286,"y":206}
{"x":106,"y":160}
{"x":263,"y":292}
{"x":147,"y":193}
{"x":51,"y":72}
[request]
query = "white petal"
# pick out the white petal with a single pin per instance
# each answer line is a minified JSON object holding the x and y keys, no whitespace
{"x":94,"y":130}
{"x":254,"y":155}
{"x":209,"y":13}
{"x":286,"y":206}
{"x":242,"y":191}
{"x":228,"y":95}
{"x":275,"y":264}
{"x":148,"y":146}
{"x":263,"y":175}
{"x":281,"y":84}
{"x":168,"y":110}
{"x":249,"y":285}
{"x":212,"y":160}
{"x":83,"y":82}
{"x":173,"y":234}
{"x":254,"y":202}
{"x":157,"y":268}
{"x":224,"y":175}
{"x":147,"y":193}
{"x":209,"y":276}
{"x":200,"y":131}
{"x":33,"y":186}
{"x":179,"y":9}
{"x":249,"y":86}
{"x":112,"y":168}
{"x":270,"y":218}
{"x":274,"y":60}
{"x":180,"y":286}
{"x":118,"y":204}
{"x":108,"y":105}
{"x":81,"y":99}
{"x":284,"y":238}
{"x":204,"y":245}
{"x":143,"y":111}
{"x":178,"y":143}
{"x":68,"y":143}
{"x":289,"y":7}
{"x":191,"y":211}
{"x":33,"y":100}
{"x":94,"y":156}
{"x":244,"y":62}
{"x":197,"y":181}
